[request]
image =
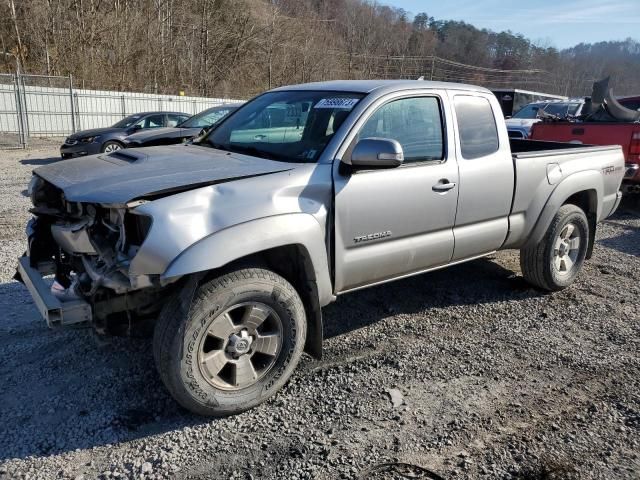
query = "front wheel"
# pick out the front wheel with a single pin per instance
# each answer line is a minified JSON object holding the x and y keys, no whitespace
{"x":111,"y":146}
{"x":554,"y":262}
{"x":234,"y":346}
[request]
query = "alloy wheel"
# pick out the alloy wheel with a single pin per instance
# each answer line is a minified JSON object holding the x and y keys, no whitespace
{"x":566,"y":249}
{"x":240,"y":346}
{"x":112,"y":147}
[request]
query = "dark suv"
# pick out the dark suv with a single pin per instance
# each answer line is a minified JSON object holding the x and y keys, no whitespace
{"x":109,"y":139}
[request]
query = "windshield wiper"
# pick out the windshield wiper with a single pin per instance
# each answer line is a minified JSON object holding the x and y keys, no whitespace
{"x":203,"y":143}
{"x":251,"y":151}
{"x":245,"y":150}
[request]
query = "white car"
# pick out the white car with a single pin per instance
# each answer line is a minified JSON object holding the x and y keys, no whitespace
{"x":519,"y":126}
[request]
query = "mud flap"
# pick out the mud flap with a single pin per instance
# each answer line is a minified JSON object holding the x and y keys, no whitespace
{"x":592,"y":236}
{"x":313,"y":342}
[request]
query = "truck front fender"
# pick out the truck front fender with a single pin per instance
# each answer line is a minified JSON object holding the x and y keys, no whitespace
{"x":238,"y":241}
{"x":586,"y":181}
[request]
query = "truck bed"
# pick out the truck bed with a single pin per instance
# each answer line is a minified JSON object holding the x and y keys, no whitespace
{"x":625,"y":134}
{"x":522,"y":148}
{"x":540,"y":167}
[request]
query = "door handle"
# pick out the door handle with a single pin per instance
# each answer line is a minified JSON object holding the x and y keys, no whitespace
{"x":443,"y":186}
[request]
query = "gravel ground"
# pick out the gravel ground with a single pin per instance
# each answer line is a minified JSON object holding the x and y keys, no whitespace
{"x":465,"y":373}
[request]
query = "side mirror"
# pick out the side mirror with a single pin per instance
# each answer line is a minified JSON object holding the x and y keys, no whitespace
{"x":377,"y":153}
{"x":136,"y":127}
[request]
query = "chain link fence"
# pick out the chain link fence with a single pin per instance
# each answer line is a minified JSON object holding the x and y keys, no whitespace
{"x":11,"y":118}
{"x":37,"y":106}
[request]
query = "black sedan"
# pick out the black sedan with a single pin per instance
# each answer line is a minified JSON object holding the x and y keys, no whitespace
{"x":192,"y":127}
{"x":109,"y":139}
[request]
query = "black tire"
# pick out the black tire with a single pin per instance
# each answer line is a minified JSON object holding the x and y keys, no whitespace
{"x":111,"y":144}
{"x":183,"y":329}
{"x":539,"y":263}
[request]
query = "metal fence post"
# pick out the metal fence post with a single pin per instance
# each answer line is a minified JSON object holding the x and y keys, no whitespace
{"x":73,"y":119}
{"x":25,"y":108}
{"x":124,"y":110}
{"x":20,"y":113}
{"x":76,"y":103}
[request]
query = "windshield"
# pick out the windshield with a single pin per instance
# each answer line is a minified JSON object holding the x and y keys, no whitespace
{"x":557,"y":109}
{"x":127,"y":121}
{"x":208,"y":117}
{"x":528,"y":111}
{"x":290,"y":126}
{"x":561,"y":109}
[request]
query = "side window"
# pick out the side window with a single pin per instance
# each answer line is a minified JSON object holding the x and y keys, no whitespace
{"x":174,"y":120}
{"x":153,"y":121}
{"x":477,"y":126}
{"x":416,"y":123}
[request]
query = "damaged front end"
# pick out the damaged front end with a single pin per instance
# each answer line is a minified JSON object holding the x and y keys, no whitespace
{"x":88,"y":248}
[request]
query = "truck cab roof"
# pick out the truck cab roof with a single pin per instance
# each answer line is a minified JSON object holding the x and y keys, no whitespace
{"x":383,"y":86}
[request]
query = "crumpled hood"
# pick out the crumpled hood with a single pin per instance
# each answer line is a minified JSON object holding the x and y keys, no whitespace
{"x":125,"y":175}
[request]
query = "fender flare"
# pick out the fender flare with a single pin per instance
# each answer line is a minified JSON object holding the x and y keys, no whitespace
{"x":235,"y":242}
{"x":241,"y":240}
{"x":575,"y":183}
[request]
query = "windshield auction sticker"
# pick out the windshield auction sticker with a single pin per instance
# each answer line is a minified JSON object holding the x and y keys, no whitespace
{"x":345,"y":103}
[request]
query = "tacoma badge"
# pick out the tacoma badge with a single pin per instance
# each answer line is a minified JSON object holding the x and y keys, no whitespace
{"x":372,"y":236}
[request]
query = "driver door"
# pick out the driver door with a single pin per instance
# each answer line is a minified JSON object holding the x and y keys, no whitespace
{"x":397,"y":221}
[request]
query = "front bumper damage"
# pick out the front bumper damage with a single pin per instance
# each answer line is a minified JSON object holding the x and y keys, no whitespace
{"x":53,"y":310}
{"x":89,"y":249}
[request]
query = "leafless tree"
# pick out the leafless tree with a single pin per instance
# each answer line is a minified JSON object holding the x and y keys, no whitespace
{"x":241,"y":47}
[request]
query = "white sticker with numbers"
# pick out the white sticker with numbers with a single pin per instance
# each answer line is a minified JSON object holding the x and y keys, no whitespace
{"x":345,"y":103}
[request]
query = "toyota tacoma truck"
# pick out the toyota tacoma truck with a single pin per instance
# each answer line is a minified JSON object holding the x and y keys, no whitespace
{"x":232,"y":245}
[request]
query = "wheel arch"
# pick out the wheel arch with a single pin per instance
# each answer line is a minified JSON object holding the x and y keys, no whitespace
{"x":111,"y":140}
{"x":587,"y":201}
{"x":583,"y":189}
{"x":293,"y":262}
{"x":290,"y":245}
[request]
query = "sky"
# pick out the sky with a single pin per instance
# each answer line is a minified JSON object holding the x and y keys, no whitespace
{"x":552,"y":23}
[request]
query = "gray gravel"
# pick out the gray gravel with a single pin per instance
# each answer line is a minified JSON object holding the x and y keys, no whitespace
{"x":489,"y":378}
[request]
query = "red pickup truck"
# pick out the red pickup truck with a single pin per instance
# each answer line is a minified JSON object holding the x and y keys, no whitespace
{"x":601,"y":133}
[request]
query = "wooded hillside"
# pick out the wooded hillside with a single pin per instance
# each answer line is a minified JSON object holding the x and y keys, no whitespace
{"x":241,"y":47}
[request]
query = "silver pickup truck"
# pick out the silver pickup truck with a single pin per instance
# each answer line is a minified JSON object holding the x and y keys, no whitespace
{"x":235,"y":243}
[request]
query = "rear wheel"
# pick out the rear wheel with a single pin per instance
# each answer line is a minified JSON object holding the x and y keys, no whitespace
{"x":234,"y":346}
{"x":554,"y":262}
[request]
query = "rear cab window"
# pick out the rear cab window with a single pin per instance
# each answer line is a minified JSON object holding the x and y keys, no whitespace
{"x":477,"y":129}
